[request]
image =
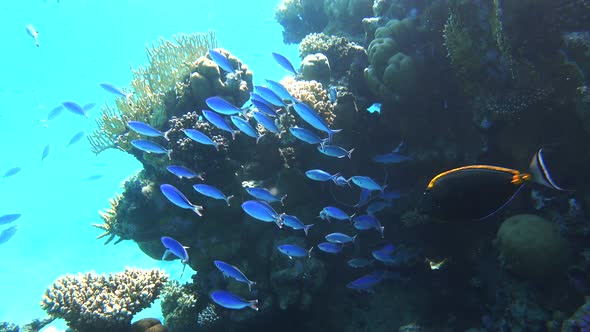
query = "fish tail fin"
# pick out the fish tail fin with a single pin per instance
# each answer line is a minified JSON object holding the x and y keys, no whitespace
{"x":279,"y":221}
{"x":351,"y":217}
{"x":332,"y":132}
{"x":381,"y":229}
{"x":250,"y":284}
{"x":183,"y":267}
{"x":201,"y":176}
{"x":166,"y":134}
{"x":354,"y":238}
{"x":233,"y":134}
{"x":198,"y":210}
{"x":169,"y":154}
{"x":258,"y":138}
{"x":349,"y":153}
{"x":254,"y":304}
{"x":283,"y":200}
{"x":217,"y":146}
{"x":306,"y":228}
{"x":228,"y":198}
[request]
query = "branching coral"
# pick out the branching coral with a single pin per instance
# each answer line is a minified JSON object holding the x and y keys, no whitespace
{"x":168,"y":64}
{"x":91,"y":302}
{"x":313,"y":94}
{"x":179,"y":306}
{"x":111,"y":225}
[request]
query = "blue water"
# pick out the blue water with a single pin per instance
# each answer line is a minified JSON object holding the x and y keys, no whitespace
{"x":84,"y":43}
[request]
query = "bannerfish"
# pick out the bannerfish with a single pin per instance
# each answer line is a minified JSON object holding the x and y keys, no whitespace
{"x":76,"y":138}
{"x":74,"y":108}
{"x":306,"y":135}
{"x":335,"y":151}
{"x":221,"y":61}
{"x":146,"y":130}
{"x":31,"y":31}
{"x":264,"y":194}
{"x":229,"y":270}
{"x":46,"y":151}
{"x":211,"y":191}
{"x":547,"y":162}
{"x":93,"y":177}
{"x":266,"y":122}
{"x":177,"y":198}
{"x":231,"y":301}
{"x":174,"y":247}
{"x":245,"y":127}
{"x":296,"y":224}
{"x":340,"y":238}
{"x":269,"y":95}
{"x":279,"y":90}
{"x":222,"y":106}
{"x":366,"y":222}
{"x":367,"y":183}
{"x":262,"y":211}
{"x":332,"y":212}
{"x":329,"y":247}
{"x":108,"y":87}
{"x":218,"y":121}
{"x":358,"y":263}
{"x":8,"y":218}
{"x":183,"y":172}
{"x":366,"y":282}
{"x":320,"y":175}
{"x":292,"y":250}
{"x":200,"y":137}
{"x":375,"y":108}
{"x":7,"y":234}
{"x":310,"y":116}
{"x":264,"y":107}
{"x":284,"y":62}
{"x":151,"y":147}
{"x":11,"y":172}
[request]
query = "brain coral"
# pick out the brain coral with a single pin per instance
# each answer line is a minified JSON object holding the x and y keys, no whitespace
{"x":90,"y":302}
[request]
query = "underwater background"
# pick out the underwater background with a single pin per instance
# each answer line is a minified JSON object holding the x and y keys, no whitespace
{"x":347,"y":165}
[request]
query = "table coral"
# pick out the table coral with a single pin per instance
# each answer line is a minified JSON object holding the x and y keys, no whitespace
{"x":91,"y":302}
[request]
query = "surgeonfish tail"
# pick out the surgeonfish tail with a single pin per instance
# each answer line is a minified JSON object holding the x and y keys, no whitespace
{"x":283,"y":200}
{"x":258,"y":138}
{"x":254,"y":304}
{"x":198,"y":210}
{"x":228,"y":198}
{"x":306,"y":228}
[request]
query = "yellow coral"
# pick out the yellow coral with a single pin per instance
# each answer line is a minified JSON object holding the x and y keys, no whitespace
{"x":168,"y":64}
{"x":313,"y":94}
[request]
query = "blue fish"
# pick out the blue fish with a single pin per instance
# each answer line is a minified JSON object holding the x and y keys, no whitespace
{"x":333,"y":94}
{"x":232,"y":301}
{"x":377,"y":206}
{"x":8,"y":218}
{"x":365,"y":222}
{"x":151,"y":147}
{"x":262,"y":211}
{"x":266,"y":122}
{"x":88,"y":107}
{"x":366,"y":282}
{"x":93,"y":177}
{"x":221,"y":61}
{"x":222,"y":106}
{"x":319,"y":175}
{"x":245,"y":127}
{"x":264,"y":107}
{"x":183,"y":172}
{"x":218,"y":121}
{"x":365,"y":197}
{"x":177,"y":198}
{"x":306,"y":135}
{"x":335,"y":151}
{"x":279,"y":90}
{"x":76,"y":138}
{"x":360,"y":262}
{"x":264,"y":194}
{"x":390,"y":195}
{"x":310,"y":116}
{"x":233,"y":272}
{"x":292,"y":250}
{"x":55,"y":112}
{"x":340,"y":238}
{"x":11,"y":172}
{"x":199,"y":137}
{"x":329,"y":247}
{"x":7,"y":234}
{"x":46,"y":151}
{"x":384,"y":254}
{"x":146,"y":130}
{"x":390,"y":158}
{"x":269,"y":96}
{"x":74,"y":108}
{"x":367,"y":183}
{"x":332,"y":212}
{"x":295,"y":223}
{"x":341,"y":181}
{"x":174,"y":247}
{"x":114,"y":90}
{"x":375,"y":108}
{"x":211,"y":191}
{"x":284,"y":62}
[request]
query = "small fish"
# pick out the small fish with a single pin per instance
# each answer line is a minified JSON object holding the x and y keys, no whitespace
{"x":340,"y":238}
{"x":364,"y":197}
{"x":366,"y":222}
{"x":46,"y":151}
{"x":88,"y":107}
{"x":329,"y":247}
{"x":335,"y":151}
{"x":310,"y":116}
{"x":284,"y":62}
{"x":151,"y":147}
{"x":231,"y":301}
{"x":384,"y":254}
{"x":358,"y":263}
{"x":292,"y":250}
{"x":306,"y":135}
{"x":295,"y":223}
{"x":262,"y":211}
{"x":390,"y":158}
{"x":279,"y":90}
{"x":269,"y":96}
{"x":199,"y":137}
{"x":221,"y":61}
{"x":93,"y":177}
{"x":218,"y":121}
{"x":55,"y":112}
{"x":333,"y":94}
{"x":233,"y":272}
{"x":264,"y":194}
{"x":266,"y":122}
{"x":332,"y":212}
{"x":321,"y":176}
{"x":222,"y":106}
{"x":76,"y":138}
{"x":377,"y":206}
{"x":177,"y":198}
{"x":11,"y":172}
{"x":367,"y":183}
{"x":8,"y":218}
{"x":74,"y":108}
{"x":366,"y":282}
{"x":263,"y":107}
{"x":245,"y":127}
{"x":183,"y":172}
{"x":375,"y":108}
{"x":211,"y":191}
{"x":174,"y":247}
{"x":31,"y":31}
{"x":146,"y":130}
{"x":108,"y":87}
{"x":7,"y":234}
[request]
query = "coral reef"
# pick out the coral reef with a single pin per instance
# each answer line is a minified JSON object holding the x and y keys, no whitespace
{"x":313,"y":94}
{"x":90,"y":302}
{"x":180,"y":306}
{"x":316,"y":67}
